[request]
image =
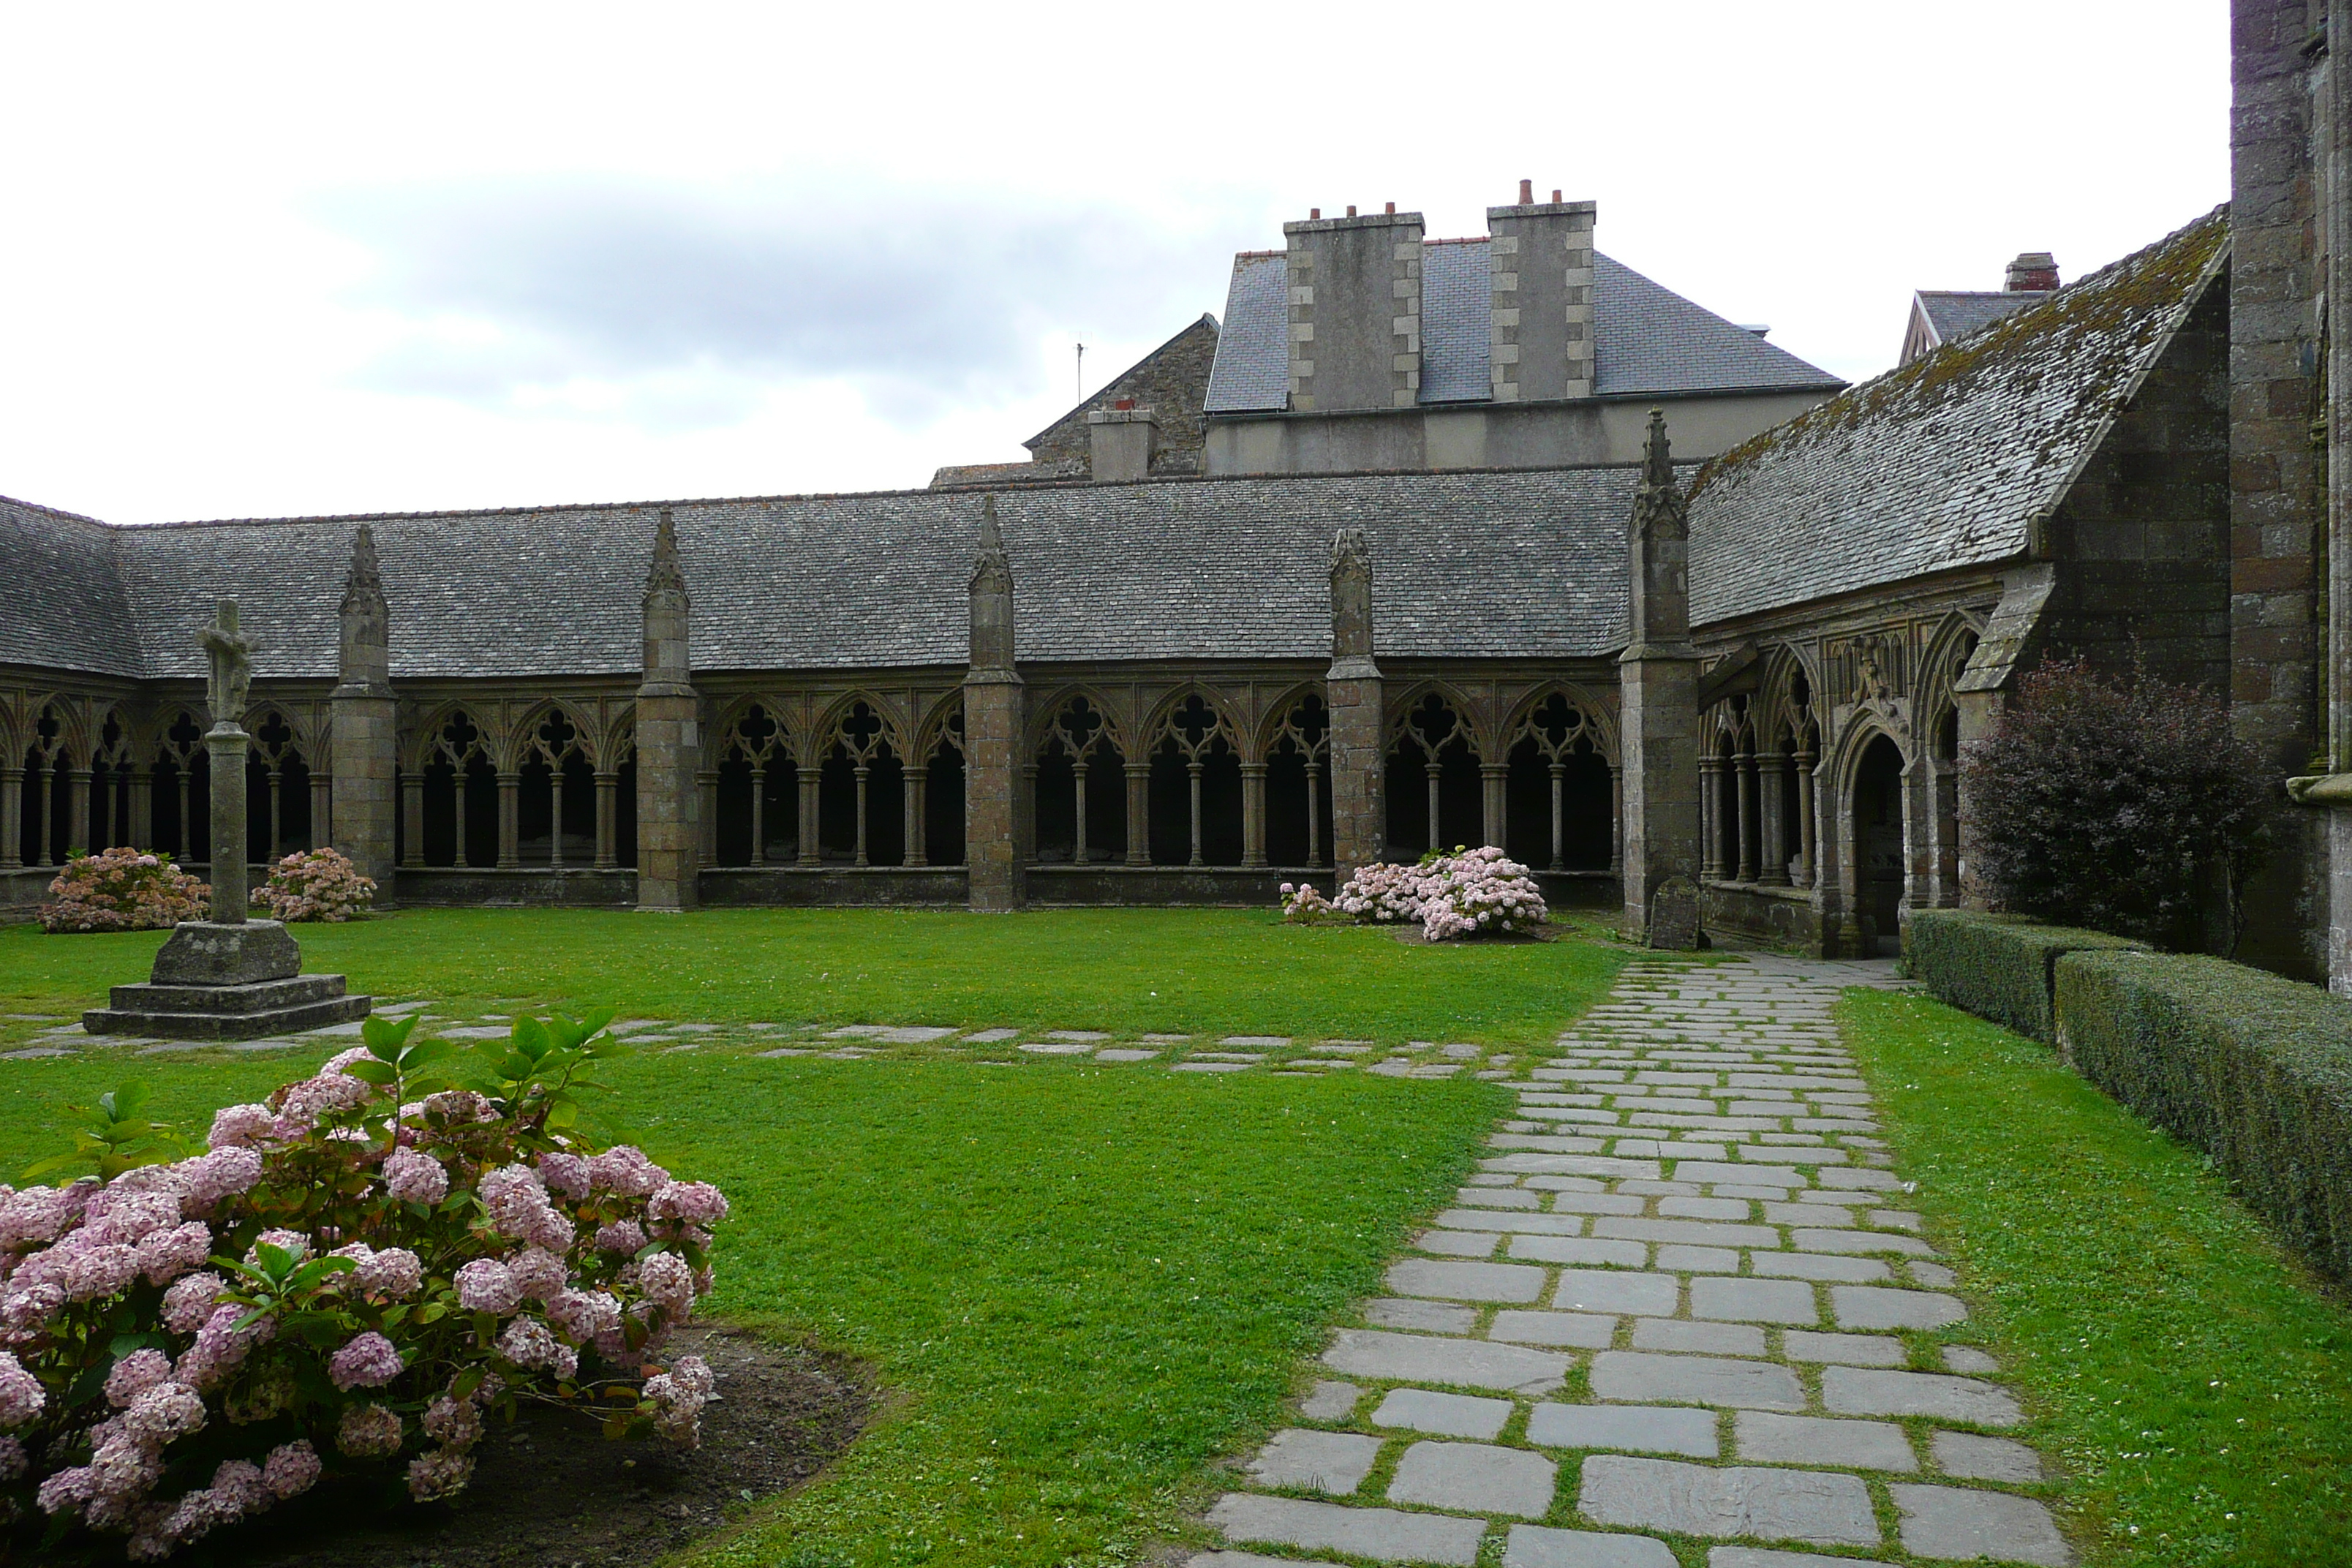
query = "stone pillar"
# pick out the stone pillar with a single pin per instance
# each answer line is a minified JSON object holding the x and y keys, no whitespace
{"x":1616,"y":820}
{"x":608,"y":795}
{"x":804,"y":820}
{"x":1744,"y":804}
{"x":1559,"y":777}
{"x":864,"y":772}
{"x":1192,"y":772}
{"x":1658,"y":674}
{"x":992,"y":710}
{"x":1315,"y":766}
{"x":669,"y":739}
{"x":142,"y":806}
{"x":1493,"y":779}
{"x":412,"y":820}
{"x":1138,"y":812}
{"x":362,"y":744}
{"x":706,"y":794}
{"x":919,"y":821}
{"x":78,"y":814}
{"x":1772,"y":820}
{"x":1710,"y":817}
{"x":1806,"y":829}
{"x":12,"y":816}
{"x":1253,"y":812}
{"x":509,"y":831}
{"x":910,"y":800}
{"x":230,"y":877}
{"x":1352,"y":689}
{"x":322,"y":806}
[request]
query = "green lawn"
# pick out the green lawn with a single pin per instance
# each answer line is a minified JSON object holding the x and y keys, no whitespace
{"x":1075,"y":1283}
{"x":1130,"y":971}
{"x":2195,"y":1384}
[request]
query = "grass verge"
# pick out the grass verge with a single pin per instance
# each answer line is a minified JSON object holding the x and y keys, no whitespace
{"x":1127,"y":971}
{"x":2187,"y":1372}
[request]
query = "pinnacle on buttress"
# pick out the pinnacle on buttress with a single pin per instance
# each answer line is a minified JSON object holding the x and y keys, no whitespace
{"x":989,"y":565}
{"x":364,"y":584}
{"x":664,"y":575}
{"x":1658,"y":464}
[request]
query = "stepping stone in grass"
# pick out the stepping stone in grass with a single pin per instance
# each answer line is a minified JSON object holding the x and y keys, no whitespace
{"x":1115,"y":1055}
{"x":698,"y":1029}
{"x":1475,"y":1476}
{"x":1461,"y":1053}
{"x":35,"y":1053}
{"x":1969,"y":1360}
{"x":1330,"y":1400}
{"x":1209,"y":1066}
{"x":1163,"y":1040}
{"x":1265,"y":1042}
{"x":1228,"y":1057}
{"x":477,"y":1032}
{"x":1090,"y":1036}
{"x":172,"y":1046}
{"x":885,"y":1034}
{"x":1961,"y":1521}
{"x":260,"y":1045}
{"x":1334,"y":1462}
{"x":1057,"y":1048}
{"x":1446,"y":1414}
{"x":787,"y":1051}
{"x":1644,"y":1428}
{"x":1386,"y":1534}
{"x":991,"y":1037}
{"x":1538,"y":1546}
{"x":1341,"y":1047}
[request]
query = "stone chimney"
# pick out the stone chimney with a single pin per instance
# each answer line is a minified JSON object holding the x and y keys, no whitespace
{"x":1541,"y":261}
{"x":2033,"y":271}
{"x":1123,"y":438}
{"x":1355,"y":312}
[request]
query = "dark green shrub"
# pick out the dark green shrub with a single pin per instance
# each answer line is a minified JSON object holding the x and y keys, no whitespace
{"x":1996,"y":966}
{"x":2126,"y":805}
{"x":2253,"y":1069}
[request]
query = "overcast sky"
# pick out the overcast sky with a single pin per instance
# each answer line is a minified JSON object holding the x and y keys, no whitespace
{"x":341,"y":259}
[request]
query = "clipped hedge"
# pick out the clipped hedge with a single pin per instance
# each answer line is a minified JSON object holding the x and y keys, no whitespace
{"x":2255,"y":1070}
{"x":1996,"y":966}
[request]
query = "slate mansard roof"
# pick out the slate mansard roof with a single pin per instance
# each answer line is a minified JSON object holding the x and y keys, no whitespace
{"x":1648,"y":341}
{"x":1954,"y":313}
{"x":1476,"y":565}
{"x":1945,"y":461}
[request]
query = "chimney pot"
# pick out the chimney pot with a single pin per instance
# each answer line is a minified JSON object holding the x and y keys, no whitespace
{"x":1314,"y":213}
{"x":1351,"y":209}
{"x":2033,"y":271}
{"x":1555,"y":197}
{"x":1393,"y":209}
{"x":1527,"y":192}
{"x":1123,"y":403}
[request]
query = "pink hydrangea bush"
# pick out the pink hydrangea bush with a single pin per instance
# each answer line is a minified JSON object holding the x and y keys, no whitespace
{"x":1470,"y":892}
{"x":1303,"y":903}
{"x":315,"y":885}
{"x":355,"y":1278}
{"x":1478,"y":892}
{"x":123,"y":889}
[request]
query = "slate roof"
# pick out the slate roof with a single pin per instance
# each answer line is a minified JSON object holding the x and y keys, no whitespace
{"x":68,"y":609}
{"x":1647,"y":338}
{"x":1252,"y":369}
{"x":1954,"y":313}
{"x":1466,"y":566}
{"x":1942,"y":462}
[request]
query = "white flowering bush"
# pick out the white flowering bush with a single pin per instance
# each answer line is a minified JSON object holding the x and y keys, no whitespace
{"x":1470,"y":892}
{"x":355,"y":1278}
{"x":315,"y":885}
{"x":1478,"y":892}
{"x":123,"y":889}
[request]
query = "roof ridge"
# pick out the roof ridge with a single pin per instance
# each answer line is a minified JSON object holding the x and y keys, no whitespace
{"x":57,"y":512}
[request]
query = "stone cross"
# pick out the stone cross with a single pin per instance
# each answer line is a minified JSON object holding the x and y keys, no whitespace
{"x":231,"y":653}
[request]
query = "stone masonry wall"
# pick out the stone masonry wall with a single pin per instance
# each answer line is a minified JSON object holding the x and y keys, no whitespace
{"x":2275,"y":485}
{"x":1172,"y":381}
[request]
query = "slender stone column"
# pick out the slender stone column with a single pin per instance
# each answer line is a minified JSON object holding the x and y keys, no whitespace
{"x":910,"y":807}
{"x":1658,"y":673}
{"x":323,"y":806}
{"x":1772,"y":819}
{"x":276,"y":815}
{"x":363,"y":758}
{"x":1139,"y":814}
{"x":1558,"y":846}
{"x":1493,"y":781}
{"x":1315,"y":767}
{"x":12,"y":816}
{"x":706,"y":789}
{"x":1805,"y":829}
{"x":669,"y":739}
{"x":412,"y":820}
{"x":1078,"y":852}
{"x":142,"y":807}
{"x":1192,"y":771}
{"x":463,"y":783}
{"x":555,"y":816}
{"x":804,"y":823}
{"x":78,"y":814}
{"x":1253,"y":812}
{"x":185,"y":829}
{"x":608,"y":795}
{"x":919,"y":822}
{"x":993,"y":709}
{"x":1353,"y":690}
{"x":1616,"y":819}
{"x":1744,"y":803}
{"x":863,"y":770}
{"x":759,"y":813}
{"x":1710,"y":811}
{"x":509,"y":820}
{"x":230,"y":653}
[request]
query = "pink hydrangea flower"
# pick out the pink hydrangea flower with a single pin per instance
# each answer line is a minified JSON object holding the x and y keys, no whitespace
{"x":26,"y":1313}
{"x":527,"y":1342}
{"x":294,"y":1241}
{"x":163,"y":1412}
{"x":134,"y":1375}
{"x":624,"y":1171}
{"x":395,"y":1274}
{"x":367,"y":1361}
{"x":620,"y":1236}
{"x":22,"y":1397}
{"x":241,"y":1126}
{"x":667,"y":1282}
{"x":486,"y":1285}
{"x":413,"y":1177}
{"x":538,"y":1273}
{"x":190,"y":1301}
{"x":439,"y":1474}
{"x":13,"y":1459}
{"x":453,"y":1423}
{"x":369,"y":1432}
{"x":223,"y":1173}
{"x":165,"y":1255}
{"x":566,"y":1173}
{"x":583,"y":1317}
{"x":694,"y":1203}
{"x":101,"y":1270}
{"x":290,"y":1469}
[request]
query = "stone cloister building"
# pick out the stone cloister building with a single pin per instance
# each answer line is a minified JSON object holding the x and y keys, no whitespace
{"x":1194,"y":683}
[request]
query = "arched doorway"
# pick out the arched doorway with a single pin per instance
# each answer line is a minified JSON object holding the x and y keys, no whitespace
{"x":1878,"y":847}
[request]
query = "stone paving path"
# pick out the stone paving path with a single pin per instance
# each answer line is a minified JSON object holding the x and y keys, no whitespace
{"x":36,"y":1037}
{"x":1681,"y":1303}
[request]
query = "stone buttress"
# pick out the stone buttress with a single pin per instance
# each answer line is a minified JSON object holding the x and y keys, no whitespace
{"x":1353,"y":688}
{"x":1658,"y":676}
{"x":669,"y":739}
{"x":993,"y":711}
{"x":364,"y":749}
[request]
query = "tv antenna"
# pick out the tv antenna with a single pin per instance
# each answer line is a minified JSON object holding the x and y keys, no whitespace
{"x":1082,"y":372}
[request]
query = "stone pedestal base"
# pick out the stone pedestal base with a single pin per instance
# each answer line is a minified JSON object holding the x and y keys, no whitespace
{"x":236,"y":982}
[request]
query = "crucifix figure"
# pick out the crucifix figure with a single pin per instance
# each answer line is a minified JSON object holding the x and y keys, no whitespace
{"x":231,"y":655}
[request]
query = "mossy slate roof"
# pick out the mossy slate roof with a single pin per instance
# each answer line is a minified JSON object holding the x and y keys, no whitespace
{"x":1944,"y":462}
{"x":1476,"y":565}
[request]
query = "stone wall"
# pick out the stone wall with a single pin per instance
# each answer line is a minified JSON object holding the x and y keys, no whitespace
{"x":2275,"y":509}
{"x":1172,"y":381}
